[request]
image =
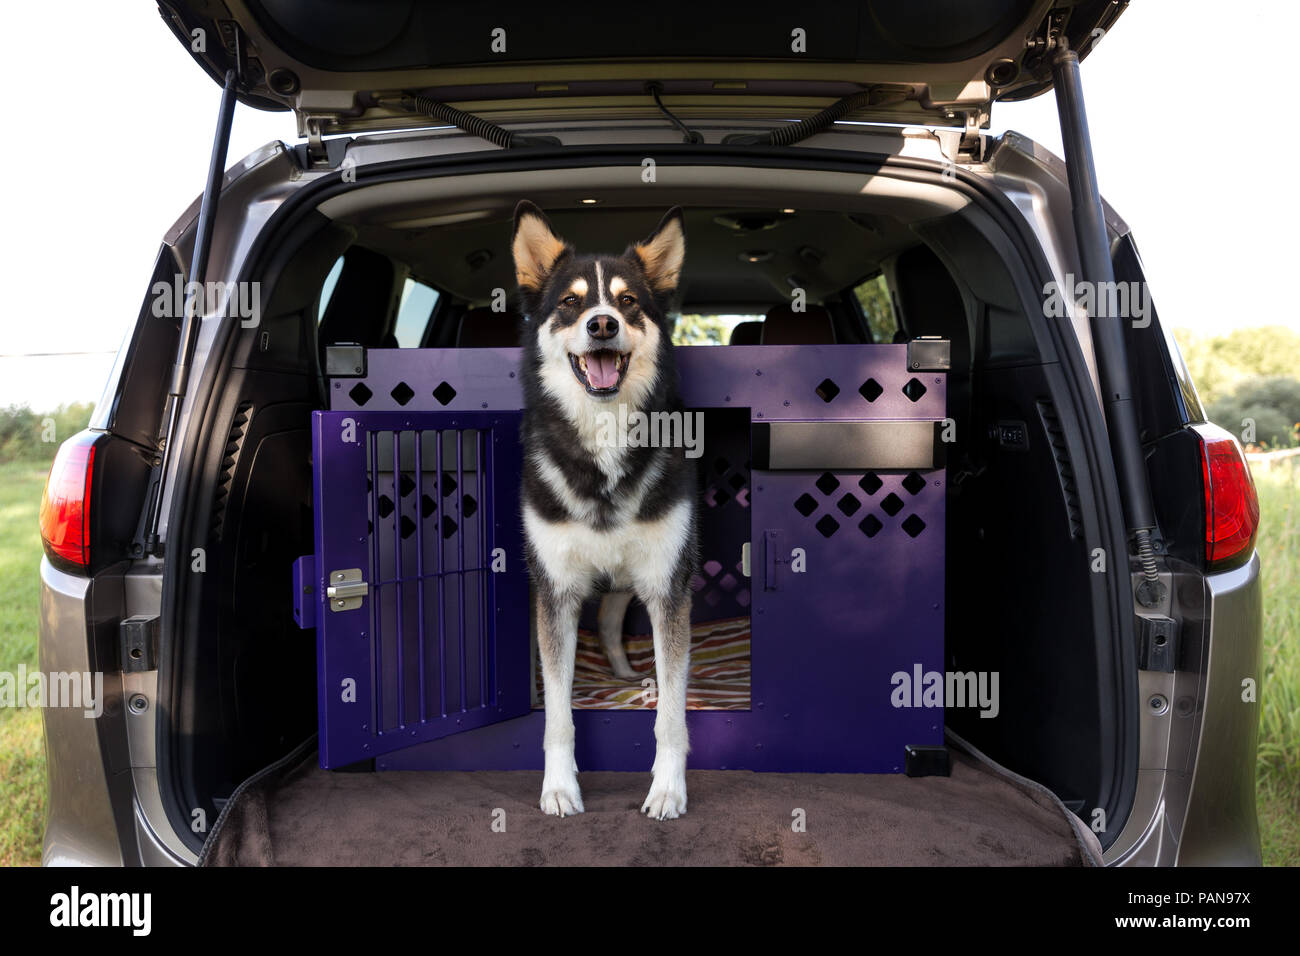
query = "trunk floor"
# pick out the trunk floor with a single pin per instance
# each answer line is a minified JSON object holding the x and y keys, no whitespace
{"x":300,"y":815}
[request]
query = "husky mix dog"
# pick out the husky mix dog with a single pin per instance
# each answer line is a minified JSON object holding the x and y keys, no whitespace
{"x":600,"y":516}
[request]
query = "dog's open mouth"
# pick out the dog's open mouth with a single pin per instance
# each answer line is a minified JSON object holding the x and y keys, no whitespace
{"x":601,"y":371}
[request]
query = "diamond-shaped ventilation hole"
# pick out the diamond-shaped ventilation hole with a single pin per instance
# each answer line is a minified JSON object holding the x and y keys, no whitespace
{"x":444,"y":393}
{"x":914,"y":483}
{"x":914,"y":389}
{"x":697,"y":582}
{"x":870,"y":483}
{"x":736,"y":481}
{"x":426,"y":506}
{"x":827,"y":483}
{"x":720,"y":496}
{"x":403,"y":393}
{"x":407,"y":527}
{"x":742,"y":598}
{"x":913,"y":525}
{"x":468,"y":506}
{"x":892,"y":504}
{"x":871,"y":390}
{"x":827,"y":526}
{"x":711,"y":567}
{"x":711,"y":598}
{"x":870,"y":526}
{"x":448,"y":526}
{"x":806,"y":504}
{"x":448,"y":484}
{"x":720,"y":465}
{"x":849,"y":505}
{"x":827,"y":390}
{"x":727,"y":582}
{"x":406,"y":484}
{"x":360,"y":394}
{"x":385,"y":506}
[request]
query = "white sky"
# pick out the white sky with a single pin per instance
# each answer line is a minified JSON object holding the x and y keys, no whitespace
{"x":114,"y":133}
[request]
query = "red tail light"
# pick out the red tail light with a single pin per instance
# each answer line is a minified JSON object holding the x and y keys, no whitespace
{"x":1231,"y":505}
{"x":65,"y":507}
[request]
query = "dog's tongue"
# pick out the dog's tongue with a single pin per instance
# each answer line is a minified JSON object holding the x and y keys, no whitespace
{"x":602,"y":369}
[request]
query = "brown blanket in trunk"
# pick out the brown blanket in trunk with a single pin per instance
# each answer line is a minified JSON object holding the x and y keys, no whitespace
{"x":302,"y":815}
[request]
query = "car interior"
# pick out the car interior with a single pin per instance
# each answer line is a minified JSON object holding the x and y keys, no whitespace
{"x":412,"y":271}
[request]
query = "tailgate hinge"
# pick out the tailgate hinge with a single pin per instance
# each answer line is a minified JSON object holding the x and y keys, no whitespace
{"x":971,"y":146}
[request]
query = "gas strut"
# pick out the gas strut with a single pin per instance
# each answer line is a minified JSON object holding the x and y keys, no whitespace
{"x":190,"y":323}
{"x":1107,"y":333}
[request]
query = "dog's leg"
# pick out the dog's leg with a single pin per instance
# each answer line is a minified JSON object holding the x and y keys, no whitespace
{"x":613,"y":608}
{"x":672,"y":636}
{"x":557,"y":642}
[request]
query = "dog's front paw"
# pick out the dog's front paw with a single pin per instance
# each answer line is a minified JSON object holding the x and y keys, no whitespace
{"x":564,"y":800}
{"x":625,"y":672}
{"x":665,"y":801}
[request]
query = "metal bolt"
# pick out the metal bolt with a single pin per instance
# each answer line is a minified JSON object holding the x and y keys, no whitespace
{"x":138,"y":703}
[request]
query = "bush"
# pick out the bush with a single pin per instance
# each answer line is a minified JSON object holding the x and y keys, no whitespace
{"x":26,"y":435}
{"x":1271,"y":404}
{"x":1221,"y":364}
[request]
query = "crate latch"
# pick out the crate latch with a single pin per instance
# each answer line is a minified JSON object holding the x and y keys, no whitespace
{"x":346,"y":589}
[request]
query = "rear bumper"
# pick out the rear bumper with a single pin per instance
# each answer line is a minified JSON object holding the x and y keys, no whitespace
{"x":1221,"y":827}
{"x":80,"y":825}
{"x":1195,"y":802}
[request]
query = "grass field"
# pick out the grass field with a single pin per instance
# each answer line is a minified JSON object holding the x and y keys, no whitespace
{"x":22,"y":759}
{"x":22,"y":754}
{"x":1278,"y":787}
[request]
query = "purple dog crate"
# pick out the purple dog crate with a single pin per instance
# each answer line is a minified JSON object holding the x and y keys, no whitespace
{"x":826,"y":461}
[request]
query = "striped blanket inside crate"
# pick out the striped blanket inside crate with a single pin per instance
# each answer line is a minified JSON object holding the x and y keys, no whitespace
{"x":719,"y":670}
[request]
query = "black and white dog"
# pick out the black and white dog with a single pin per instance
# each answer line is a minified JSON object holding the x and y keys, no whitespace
{"x":598,"y":514}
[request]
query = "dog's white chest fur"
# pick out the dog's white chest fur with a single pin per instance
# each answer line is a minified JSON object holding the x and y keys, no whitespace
{"x":640,"y":555}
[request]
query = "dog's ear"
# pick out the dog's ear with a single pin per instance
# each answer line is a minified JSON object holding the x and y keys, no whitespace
{"x":536,"y":248}
{"x":663,"y":252}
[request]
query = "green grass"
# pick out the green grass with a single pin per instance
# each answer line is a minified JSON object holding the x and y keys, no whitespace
{"x":22,"y":754}
{"x":22,"y":757}
{"x":1278,"y":786}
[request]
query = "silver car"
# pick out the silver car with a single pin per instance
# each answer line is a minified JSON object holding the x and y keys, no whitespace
{"x":1099,"y":548}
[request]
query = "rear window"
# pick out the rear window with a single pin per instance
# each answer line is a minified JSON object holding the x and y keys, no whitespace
{"x":413,"y":313}
{"x":878,"y":307}
{"x":698,"y":328}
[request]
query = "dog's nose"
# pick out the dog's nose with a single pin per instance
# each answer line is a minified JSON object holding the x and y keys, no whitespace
{"x":602,"y":326}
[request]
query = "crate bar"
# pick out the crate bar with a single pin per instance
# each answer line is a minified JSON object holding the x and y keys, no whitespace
{"x":481,"y":538}
{"x":419,"y":569}
{"x":376,"y":657}
{"x":397,"y":577}
{"x":460,"y":559}
{"x":442,"y":587}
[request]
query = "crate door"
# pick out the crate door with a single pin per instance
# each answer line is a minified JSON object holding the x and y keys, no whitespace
{"x":422,"y":616}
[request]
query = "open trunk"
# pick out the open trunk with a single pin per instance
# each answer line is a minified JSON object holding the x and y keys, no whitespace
{"x":884,"y":251}
{"x":296,"y":814}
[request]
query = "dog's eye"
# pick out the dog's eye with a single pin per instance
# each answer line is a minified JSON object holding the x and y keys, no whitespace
{"x":569,"y":300}
{"x":627,"y":299}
